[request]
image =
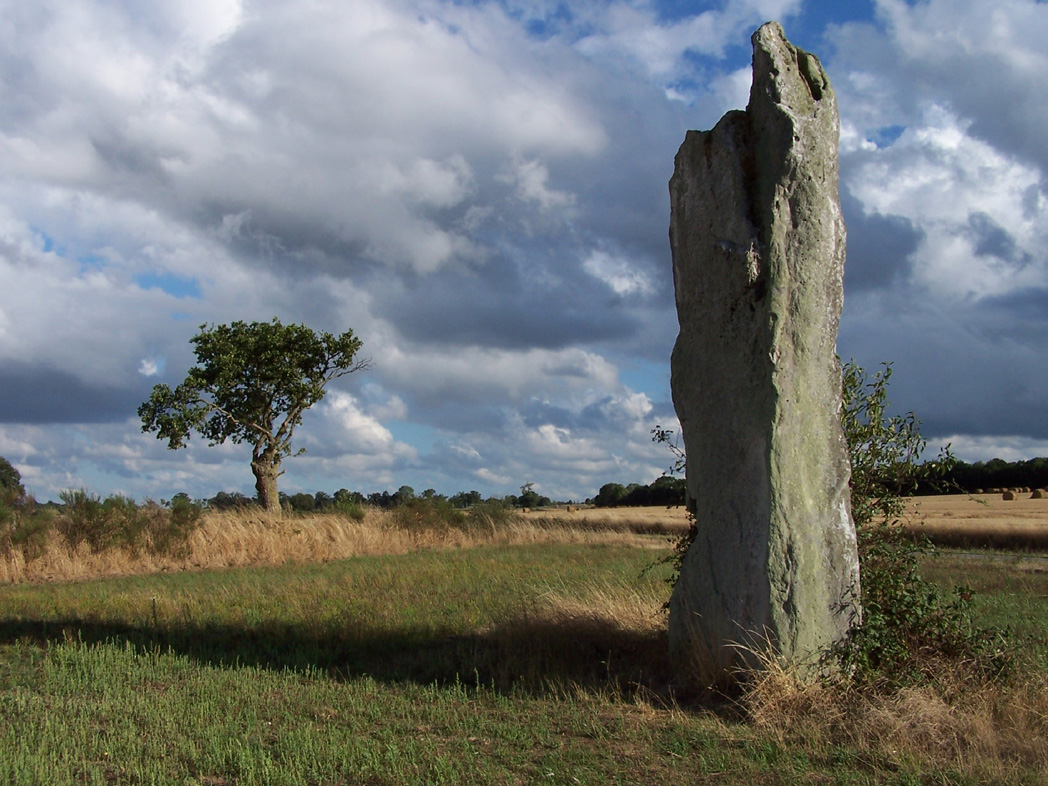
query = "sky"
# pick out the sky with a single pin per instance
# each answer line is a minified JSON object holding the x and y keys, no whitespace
{"x":478,"y":189}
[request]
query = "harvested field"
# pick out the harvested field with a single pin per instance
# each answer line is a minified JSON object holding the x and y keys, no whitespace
{"x":656,"y":520}
{"x":982,"y":521}
{"x":954,"y":520}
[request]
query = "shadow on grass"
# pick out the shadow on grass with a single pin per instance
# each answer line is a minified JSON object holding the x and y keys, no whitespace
{"x":534,"y":656}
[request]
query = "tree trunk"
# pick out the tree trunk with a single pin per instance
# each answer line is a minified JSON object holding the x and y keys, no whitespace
{"x":266,"y":473}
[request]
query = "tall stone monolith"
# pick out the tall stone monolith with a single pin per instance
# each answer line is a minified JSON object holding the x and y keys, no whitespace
{"x":758,"y":264}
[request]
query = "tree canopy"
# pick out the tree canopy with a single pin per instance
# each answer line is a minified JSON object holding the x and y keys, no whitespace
{"x":11,"y":488}
{"x":253,"y":382}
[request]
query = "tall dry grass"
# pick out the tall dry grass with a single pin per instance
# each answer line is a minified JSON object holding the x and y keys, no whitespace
{"x":227,"y":539}
{"x":982,"y":726}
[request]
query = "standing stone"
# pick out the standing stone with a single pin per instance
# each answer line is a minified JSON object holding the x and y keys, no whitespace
{"x":758,"y":265}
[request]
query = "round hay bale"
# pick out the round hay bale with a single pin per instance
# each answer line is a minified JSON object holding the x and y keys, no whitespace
{"x":978,"y":491}
{"x":1008,"y":495}
{"x":1037,"y":494}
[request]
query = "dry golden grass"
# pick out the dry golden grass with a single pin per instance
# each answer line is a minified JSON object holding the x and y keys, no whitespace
{"x":982,"y":520}
{"x":244,"y":538}
{"x":655,"y":520}
{"x":237,"y":539}
{"x":983,"y":727}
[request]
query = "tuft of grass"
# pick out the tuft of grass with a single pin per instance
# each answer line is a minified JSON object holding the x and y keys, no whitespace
{"x":988,"y":728}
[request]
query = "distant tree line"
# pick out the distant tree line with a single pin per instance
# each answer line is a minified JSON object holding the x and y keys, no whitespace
{"x":323,"y":502}
{"x":666,"y":491}
{"x":995,"y":473}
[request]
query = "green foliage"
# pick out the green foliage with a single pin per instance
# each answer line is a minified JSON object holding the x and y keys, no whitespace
{"x":465,"y":499}
{"x":253,"y":382}
{"x":908,"y":622}
{"x":301,"y":502}
{"x":610,"y":495}
{"x":997,"y":473}
{"x":24,"y":527}
{"x":437,"y":514}
{"x":17,"y":527}
{"x":529,"y":498}
{"x":428,"y":515}
{"x":491,"y":514}
{"x":87,"y":519}
{"x":349,"y":508}
{"x":885,"y":450}
{"x":11,"y":488}
{"x":910,"y":626}
{"x":84,"y":519}
{"x":663,"y":491}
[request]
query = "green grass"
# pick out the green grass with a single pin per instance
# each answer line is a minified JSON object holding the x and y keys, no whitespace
{"x":434,"y":667}
{"x":1010,"y":592}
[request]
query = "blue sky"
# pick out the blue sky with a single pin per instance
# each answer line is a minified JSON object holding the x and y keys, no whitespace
{"x":479,"y":190}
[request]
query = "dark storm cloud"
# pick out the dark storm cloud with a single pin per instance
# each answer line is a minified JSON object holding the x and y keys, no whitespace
{"x":879,"y":247}
{"x":1020,"y":318}
{"x":459,"y":309}
{"x":37,"y":394}
{"x":991,"y":239}
{"x":974,"y":367}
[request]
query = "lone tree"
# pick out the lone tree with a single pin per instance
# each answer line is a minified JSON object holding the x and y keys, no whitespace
{"x":252,"y":384}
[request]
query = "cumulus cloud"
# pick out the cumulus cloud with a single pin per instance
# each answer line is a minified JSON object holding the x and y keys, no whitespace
{"x":969,"y":201}
{"x":617,"y":273}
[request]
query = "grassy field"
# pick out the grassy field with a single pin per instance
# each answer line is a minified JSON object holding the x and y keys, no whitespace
{"x":535,"y":654}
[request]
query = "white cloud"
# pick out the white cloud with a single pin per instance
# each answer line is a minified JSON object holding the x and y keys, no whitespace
{"x":633,"y":30}
{"x":356,"y":165}
{"x":940,"y":177}
{"x":149,"y":367}
{"x":971,"y":448}
{"x":531,"y":178}
{"x":618,"y":273}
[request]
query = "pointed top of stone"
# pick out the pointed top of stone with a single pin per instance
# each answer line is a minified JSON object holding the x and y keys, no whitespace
{"x":776,"y":65}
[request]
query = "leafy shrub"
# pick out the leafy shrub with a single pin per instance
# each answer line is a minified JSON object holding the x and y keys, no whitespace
{"x":490,"y":514}
{"x":908,"y":622}
{"x":348,"y":507}
{"x":11,"y":489}
{"x":428,"y":514}
{"x":118,"y":522}
{"x":83,"y":519}
{"x":169,"y":528}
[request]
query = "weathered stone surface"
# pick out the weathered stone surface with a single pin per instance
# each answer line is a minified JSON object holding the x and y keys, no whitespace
{"x":758,"y":263}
